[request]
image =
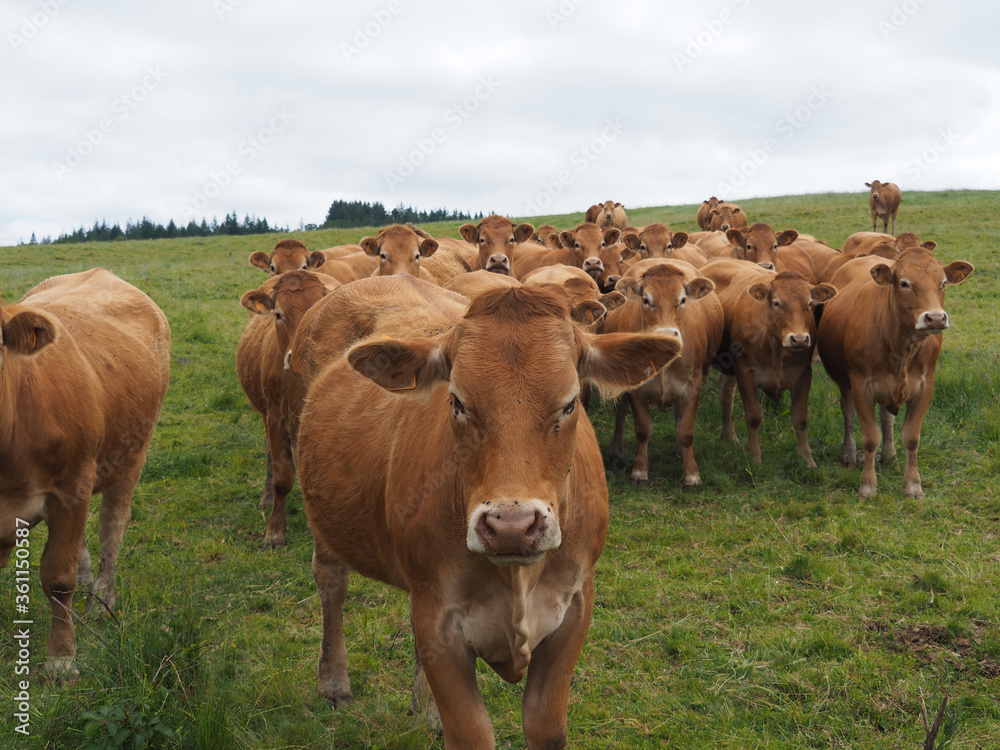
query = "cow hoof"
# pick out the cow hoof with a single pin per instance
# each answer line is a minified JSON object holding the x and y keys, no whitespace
{"x":275,"y":542}
{"x":337,"y":695}
{"x":60,"y":670}
{"x":265,"y":503}
{"x":428,"y":715}
{"x":640,"y":481}
{"x":916,"y":493}
{"x":866,"y":492}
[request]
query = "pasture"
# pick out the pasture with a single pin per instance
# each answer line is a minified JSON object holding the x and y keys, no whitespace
{"x":767,"y":608}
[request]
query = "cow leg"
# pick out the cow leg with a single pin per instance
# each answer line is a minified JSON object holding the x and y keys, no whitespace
{"x":727,"y":394}
{"x":800,"y":415}
{"x":894,"y":223}
{"x":643,"y":432}
{"x":849,"y":448}
{"x":685,"y":411}
{"x":59,"y":566}
{"x":85,"y":568}
{"x":450,"y":668}
{"x":283,"y":473}
{"x":267,"y":499}
{"x":874,"y":220}
{"x":916,"y":408}
{"x":888,"y":438}
{"x":871,"y":435}
{"x":422,"y":704}
{"x":618,"y":438}
{"x":331,"y":580}
{"x":546,"y":694}
{"x":113,"y":519}
{"x":751,"y":410}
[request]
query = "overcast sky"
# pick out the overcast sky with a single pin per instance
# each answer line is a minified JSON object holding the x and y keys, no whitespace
{"x":180,"y":110}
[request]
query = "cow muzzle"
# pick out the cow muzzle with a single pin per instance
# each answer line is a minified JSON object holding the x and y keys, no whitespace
{"x":498,"y":263}
{"x":593,"y":266}
{"x":933,"y":321}
{"x":513,"y":531}
{"x":797,"y":341}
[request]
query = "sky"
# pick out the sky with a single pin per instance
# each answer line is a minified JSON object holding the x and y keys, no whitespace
{"x":117,"y":110}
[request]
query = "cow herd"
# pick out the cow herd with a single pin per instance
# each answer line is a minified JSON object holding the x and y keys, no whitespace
{"x":431,"y":393}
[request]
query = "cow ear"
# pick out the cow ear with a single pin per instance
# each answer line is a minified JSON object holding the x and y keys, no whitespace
{"x":588,"y":311}
{"x":567,"y":238}
{"x":758,"y":291}
{"x":958,"y":271}
{"x":628,"y":252}
{"x":699,"y":287}
{"x":523,"y":232}
{"x":257,"y":301}
{"x":679,"y":240}
{"x":370,"y":246}
{"x":428,"y":247}
{"x":469,"y":233}
{"x":868,"y":184}
{"x":787,"y":237}
{"x":611,"y":235}
{"x":27,"y":333}
{"x":316,"y":259}
{"x":628,"y":286}
{"x":823,"y":293}
{"x":612,"y":300}
{"x":261,"y":260}
{"x":631,"y":240}
{"x":929,"y":245}
{"x":619,"y":205}
{"x":882,"y":274}
{"x":617,"y":362}
{"x":555,"y":239}
{"x":735,"y":237}
{"x":410,"y":367}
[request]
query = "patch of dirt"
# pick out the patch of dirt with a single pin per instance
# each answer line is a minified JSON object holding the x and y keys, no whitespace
{"x":933,"y":643}
{"x":922,"y":637}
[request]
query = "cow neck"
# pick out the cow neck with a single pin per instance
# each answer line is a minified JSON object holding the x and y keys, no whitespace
{"x":902,"y":343}
{"x":520,"y":648}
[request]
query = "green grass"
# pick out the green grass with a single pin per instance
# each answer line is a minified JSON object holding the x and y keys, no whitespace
{"x":768,"y":608}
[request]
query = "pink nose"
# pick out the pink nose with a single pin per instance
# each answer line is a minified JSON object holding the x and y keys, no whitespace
{"x":798,"y":340}
{"x":512,"y":530}
{"x":766,"y":264}
{"x":593,"y":265}
{"x":935,"y":320}
{"x":498,"y":263}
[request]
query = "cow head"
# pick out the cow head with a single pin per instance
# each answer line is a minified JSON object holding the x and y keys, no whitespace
{"x":725,"y":217}
{"x":586,"y":241}
{"x":655,"y":241}
{"x":759,"y":244}
{"x":288,"y":298}
{"x":399,"y":249}
{"x":916,"y":284}
{"x":288,"y":255}
{"x":508,"y":379}
{"x":496,"y":237}
{"x":663,"y":292}
{"x":547,"y":236}
{"x":789,"y":301}
{"x":606,"y":267}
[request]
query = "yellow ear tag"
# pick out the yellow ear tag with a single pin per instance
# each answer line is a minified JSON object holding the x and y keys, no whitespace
{"x":260,"y":307}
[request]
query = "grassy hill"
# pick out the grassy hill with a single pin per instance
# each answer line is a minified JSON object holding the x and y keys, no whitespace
{"x":768,"y":608}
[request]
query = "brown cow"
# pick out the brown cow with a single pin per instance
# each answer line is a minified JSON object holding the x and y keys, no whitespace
{"x":612,"y":215}
{"x":84,"y":366}
{"x":883,"y":200}
{"x":399,"y":249}
{"x":859,"y":243}
{"x":657,"y":241}
{"x":474,"y":283}
{"x":498,"y":239}
{"x":458,"y":467}
{"x":668,"y":296}
{"x":592,"y":213}
{"x":587,"y":304}
{"x":607,"y":266}
{"x":577,"y":245}
{"x":768,"y":344}
{"x":879,"y":340}
{"x":547,"y":236}
{"x":759,"y":244}
{"x":705,"y":212}
{"x":727,"y":216}
{"x":287,"y":255}
{"x":261,"y":358}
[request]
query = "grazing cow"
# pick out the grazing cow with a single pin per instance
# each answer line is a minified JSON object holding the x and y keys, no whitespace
{"x":612,"y":215}
{"x":578,"y":244}
{"x":667,"y":296}
{"x":768,"y":344}
{"x":498,"y":240}
{"x":84,"y":366}
{"x":261,"y":356}
{"x":883,"y":200}
{"x":474,"y":283}
{"x":705,"y":212}
{"x":657,"y":241}
{"x":287,"y":255}
{"x":606,"y":267}
{"x":547,"y":236}
{"x":458,"y":467}
{"x":727,"y":216}
{"x":879,"y":340}
{"x":399,"y":249}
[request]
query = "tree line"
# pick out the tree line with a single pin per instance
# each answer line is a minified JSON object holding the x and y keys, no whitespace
{"x":343,"y":214}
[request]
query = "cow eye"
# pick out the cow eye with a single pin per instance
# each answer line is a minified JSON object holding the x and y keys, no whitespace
{"x":568,"y":409}
{"x":683,"y":301}
{"x":944,"y":283}
{"x":482,"y":240}
{"x":416,"y":257}
{"x":383,"y":256}
{"x":458,"y":408}
{"x":777,"y":305}
{"x":305,"y":265}
{"x":647,"y":301}
{"x":904,"y":284}
{"x":277,"y":315}
{"x":510,"y":241}
{"x":642,"y":247}
{"x":274,"y":270}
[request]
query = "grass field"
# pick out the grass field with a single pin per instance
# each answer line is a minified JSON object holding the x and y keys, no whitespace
{"x":768,"y":608}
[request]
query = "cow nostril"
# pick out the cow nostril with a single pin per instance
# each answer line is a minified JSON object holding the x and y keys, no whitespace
{"x":768,"y":266}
